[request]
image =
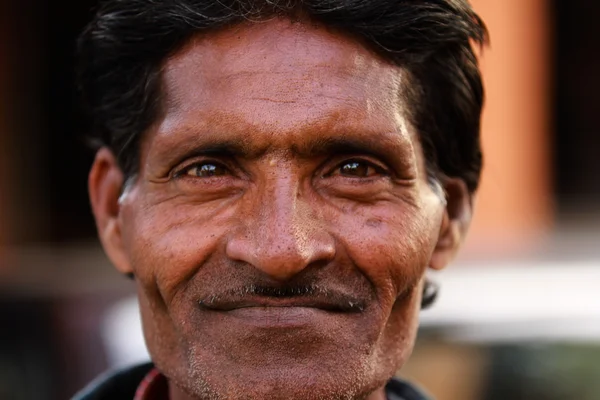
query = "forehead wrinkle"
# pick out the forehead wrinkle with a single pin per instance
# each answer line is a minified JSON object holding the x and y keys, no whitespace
{"x":286,"y":88}
{"x":245,"y":107}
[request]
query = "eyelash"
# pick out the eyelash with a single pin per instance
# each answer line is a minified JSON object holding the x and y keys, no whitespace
{"x":380,"y":170}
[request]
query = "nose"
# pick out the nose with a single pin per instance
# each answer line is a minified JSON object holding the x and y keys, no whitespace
{"x":281,"y":233}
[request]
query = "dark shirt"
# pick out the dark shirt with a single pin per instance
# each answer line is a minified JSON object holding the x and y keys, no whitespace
{"x":144,"y":382}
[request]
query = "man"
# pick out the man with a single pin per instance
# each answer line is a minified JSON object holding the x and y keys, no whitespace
{"x":277,"y":176}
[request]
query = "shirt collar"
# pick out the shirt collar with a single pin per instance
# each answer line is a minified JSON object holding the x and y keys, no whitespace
{"x":154,"y":386}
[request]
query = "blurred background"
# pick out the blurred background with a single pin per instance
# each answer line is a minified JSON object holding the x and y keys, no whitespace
{"x":518,"y":316}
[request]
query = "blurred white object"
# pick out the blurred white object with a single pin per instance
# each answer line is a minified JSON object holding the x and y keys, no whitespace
{"x":557,"y":301}
{"x":123,"y":336}
{"x":495,"y":303}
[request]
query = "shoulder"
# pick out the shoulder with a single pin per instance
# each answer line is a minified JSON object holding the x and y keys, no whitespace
{"x":115,"y":385}
{"x":397,"y":389}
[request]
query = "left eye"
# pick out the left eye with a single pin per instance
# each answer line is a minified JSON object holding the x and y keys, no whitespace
{"x":205,"y":170}
{"x":357,"y":169}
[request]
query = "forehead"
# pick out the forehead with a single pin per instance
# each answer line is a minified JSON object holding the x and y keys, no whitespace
{"x":281,"y":76}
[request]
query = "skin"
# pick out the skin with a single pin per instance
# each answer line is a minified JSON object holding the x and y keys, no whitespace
{"x":281,"y":223}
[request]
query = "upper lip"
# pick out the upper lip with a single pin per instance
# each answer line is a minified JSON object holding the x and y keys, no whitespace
{"x":332,"y":303}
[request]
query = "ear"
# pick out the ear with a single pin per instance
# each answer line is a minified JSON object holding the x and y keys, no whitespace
{"x":455,"y":223}
{"x":105,"y":183}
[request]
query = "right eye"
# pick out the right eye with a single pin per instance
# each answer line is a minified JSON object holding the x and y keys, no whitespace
{"x":358,"y":169}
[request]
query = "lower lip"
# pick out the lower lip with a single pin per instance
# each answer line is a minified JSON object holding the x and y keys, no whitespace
{"x":282,"y":317}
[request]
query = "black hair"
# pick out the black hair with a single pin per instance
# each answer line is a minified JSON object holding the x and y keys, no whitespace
{"x":123,"y":47}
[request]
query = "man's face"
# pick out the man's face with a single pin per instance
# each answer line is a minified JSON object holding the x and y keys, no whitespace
{"x":281,"y":222}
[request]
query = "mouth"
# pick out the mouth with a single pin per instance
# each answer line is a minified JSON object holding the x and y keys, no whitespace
{"x":289,"y":314}
{"x":339,"y":304}
{"x":277,"y":307}
{"x":283,"y":306}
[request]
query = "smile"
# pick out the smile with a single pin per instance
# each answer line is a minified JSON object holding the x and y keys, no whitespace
{"x":283,"y":312}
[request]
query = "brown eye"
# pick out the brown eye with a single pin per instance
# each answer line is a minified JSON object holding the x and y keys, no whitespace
{"x":205,"y":170}
{"x":358,"y":169}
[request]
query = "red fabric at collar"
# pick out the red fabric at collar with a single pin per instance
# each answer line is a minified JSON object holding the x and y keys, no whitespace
{"x":153,"y":387}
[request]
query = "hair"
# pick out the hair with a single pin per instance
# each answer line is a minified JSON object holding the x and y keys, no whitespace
{"x":122,"y":49}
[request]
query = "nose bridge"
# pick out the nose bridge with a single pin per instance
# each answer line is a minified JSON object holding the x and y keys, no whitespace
{"x":277,"y":208}
{"x":283,"y":234}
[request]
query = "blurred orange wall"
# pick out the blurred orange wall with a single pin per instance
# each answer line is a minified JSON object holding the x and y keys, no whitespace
{"x":514,"y":205}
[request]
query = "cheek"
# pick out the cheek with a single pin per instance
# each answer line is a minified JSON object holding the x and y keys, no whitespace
{"x":391,"y":246}
{"x":167,"y":244}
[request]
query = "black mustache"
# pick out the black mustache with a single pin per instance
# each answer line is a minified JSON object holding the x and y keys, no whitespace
{"x":284,"y":295}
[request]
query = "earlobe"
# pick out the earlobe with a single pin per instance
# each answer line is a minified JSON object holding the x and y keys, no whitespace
{"x":105,"y":183}
{"x":455,"y":223}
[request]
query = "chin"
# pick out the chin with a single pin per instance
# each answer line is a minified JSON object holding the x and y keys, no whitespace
{"x":286,"y":382}
{"x":337,"y":373}
{"x":306,"y":355}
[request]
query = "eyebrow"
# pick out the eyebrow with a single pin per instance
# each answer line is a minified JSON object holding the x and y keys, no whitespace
{"x":218,"y":148}
{"x":228,"y":148}
{"x":387,"y":146}
{"x":343,"y":145}
{"x":320,"y":147}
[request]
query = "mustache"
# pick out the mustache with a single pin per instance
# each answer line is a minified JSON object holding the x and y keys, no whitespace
{"x":285,"y":294}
